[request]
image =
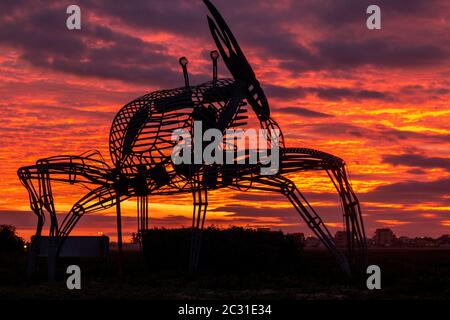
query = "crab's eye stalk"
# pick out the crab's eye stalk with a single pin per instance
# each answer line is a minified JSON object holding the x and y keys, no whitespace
{"x":183,"y":62}
{"x":214,"y":56}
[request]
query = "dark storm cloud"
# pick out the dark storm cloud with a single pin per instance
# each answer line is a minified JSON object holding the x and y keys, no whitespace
{"x":326,"y":93}
{"x":416,"y":171}
{"x":263,"y":17}
{"x":41,"y":130}
{"x":341,"y":13}
{"x":303,"y":112}
{"x":340,"y":54}
{"x":45,"y":42}
{"x":250,"y":211}
{"x":354,"y":47}
{"x":20,"y":219}
{"x":260,"y":196}
{"x":174,"y":15}
{"x":411,"y":89}
{"x":336,"y":129}
{"x":406,"y":193}
{"x":156,"y":15}
{"x":281,"y":92}
{"x":288,"y":215}
{"x":26,"y":219}
{"x":9,"y":7}
{"x":273,"y":196}
{"x":38,"y":30}
{"x":418,"y":89}
{"x":416,"y":160}
{"x":378,"y":132}
{"x":394,"y":134}
{"x":411,"y":192}
{"x":48,"y":113}
{"x":336,"y":94}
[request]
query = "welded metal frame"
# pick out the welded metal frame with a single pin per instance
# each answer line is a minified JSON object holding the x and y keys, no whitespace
{"x":140,"y":146}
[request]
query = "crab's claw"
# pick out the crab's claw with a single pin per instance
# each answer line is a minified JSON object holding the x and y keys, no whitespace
{"x":236,"y":62}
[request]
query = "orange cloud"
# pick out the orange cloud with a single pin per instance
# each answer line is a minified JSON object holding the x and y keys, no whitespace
{"x":392,"y":222}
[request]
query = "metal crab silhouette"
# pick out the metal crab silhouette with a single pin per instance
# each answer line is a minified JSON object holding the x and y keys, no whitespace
{"x":140,"y":148}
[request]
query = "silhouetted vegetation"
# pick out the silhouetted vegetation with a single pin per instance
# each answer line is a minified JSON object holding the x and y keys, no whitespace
{"x":11,"y":255}
{"x":10,"y":242}
{"x":232,"y":250}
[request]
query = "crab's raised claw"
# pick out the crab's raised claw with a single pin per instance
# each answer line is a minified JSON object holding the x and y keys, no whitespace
{"x":236,"y":62}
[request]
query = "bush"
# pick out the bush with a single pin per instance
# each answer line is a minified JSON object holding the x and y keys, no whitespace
{"x":10,"y":242}
{"x":235,"y":249}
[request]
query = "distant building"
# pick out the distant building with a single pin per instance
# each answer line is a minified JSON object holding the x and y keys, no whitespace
{"x":404,"y":241}
{"x":312,"y":242}
{"x":340,"y":238}
{"x":384,"y":237}
{"x":443,"y":241}
{"x":424,"y":242}
{"x":299,"y":236}
{"x":299,"y":239}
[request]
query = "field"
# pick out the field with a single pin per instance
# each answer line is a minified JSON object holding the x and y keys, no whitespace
{"x":406,"y":274}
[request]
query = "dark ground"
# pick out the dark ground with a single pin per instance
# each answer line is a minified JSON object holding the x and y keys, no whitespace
{"x":406,"y":274}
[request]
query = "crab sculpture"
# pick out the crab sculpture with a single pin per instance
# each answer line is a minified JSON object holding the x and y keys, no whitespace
{"x":141,"y":146}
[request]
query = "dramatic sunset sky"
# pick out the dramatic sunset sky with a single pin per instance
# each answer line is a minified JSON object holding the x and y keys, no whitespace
{"x":377,"y":98}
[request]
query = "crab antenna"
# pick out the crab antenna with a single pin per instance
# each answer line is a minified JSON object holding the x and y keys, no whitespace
{"x":183,"y":62}
{"x":214,"y":56}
